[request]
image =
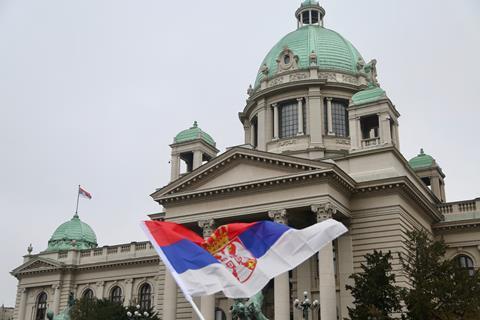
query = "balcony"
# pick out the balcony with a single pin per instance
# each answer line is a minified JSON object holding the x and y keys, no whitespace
{"x":370,"y":142}
{"x":461,"y":210}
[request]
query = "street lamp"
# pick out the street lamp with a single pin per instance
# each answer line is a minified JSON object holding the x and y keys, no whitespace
{"x":137,"y":314}
{"x":305,"y":305}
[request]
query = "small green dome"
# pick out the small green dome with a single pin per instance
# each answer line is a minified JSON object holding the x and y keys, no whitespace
{"x":194,"y":133}
{"x":421,"y":161}
{"x":368,"y":95}
{"x":73,"y":234}
{"x":333,"y":51}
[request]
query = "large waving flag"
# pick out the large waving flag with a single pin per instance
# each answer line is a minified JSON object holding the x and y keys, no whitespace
{"x":239,"y":258}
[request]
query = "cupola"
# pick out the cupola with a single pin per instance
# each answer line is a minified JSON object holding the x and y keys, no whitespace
{"x":193,"y":146}
{"x":310,"y":13}
{"x":430,"y":172}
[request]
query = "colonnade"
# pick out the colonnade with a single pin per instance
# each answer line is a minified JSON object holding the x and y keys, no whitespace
{"x":282,"y":305}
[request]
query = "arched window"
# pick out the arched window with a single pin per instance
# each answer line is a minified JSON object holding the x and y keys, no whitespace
{"x":88,"y":294}
{"x":465,"y":262}
{"x":116,"y":294}
{"x":41,"y":306}
{"x":145,"y":295}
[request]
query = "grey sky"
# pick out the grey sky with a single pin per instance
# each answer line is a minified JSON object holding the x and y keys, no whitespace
{"x":92,"y":92}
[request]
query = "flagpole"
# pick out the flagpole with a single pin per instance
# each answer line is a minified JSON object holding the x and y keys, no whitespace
{"x":194,"y":306}
{"x":78,"y":196}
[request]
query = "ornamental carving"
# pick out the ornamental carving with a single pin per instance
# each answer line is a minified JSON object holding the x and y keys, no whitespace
{"x":287,"y":142}
{"x":287,"y":60}
{"x":343,"y":141}
{"x":207,"y":226}
{"x":349,"y":79}
{"x":323,"y":211}
{"x":276,"y":81}
{"x":299,"y":76}
{"x":278,"y":216}
{"x":329,"y":76}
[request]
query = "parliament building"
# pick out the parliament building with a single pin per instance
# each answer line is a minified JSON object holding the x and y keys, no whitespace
{"x":321,"y":141}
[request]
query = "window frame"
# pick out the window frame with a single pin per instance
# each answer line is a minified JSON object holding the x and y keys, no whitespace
{"x":41,"y":306}
{"x":145,"y":298}
{"x":117,"y":298}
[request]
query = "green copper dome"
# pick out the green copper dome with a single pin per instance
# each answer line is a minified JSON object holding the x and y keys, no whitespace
{"x":194,"y":133}
{"x":73,"y":234}
{"x":421,"y":161}
{"x":371,"y":94}
{"x":333,"y":51}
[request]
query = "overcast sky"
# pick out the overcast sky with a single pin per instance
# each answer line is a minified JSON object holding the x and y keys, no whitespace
{"x":93,"y":92}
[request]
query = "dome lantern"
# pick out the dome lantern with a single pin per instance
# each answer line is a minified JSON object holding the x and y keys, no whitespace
{"x":310,"y":13}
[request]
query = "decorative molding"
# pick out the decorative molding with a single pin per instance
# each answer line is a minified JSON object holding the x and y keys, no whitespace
{"x":323,"y":211}
{"x":278,"y":216}
{"x":207,"y":226}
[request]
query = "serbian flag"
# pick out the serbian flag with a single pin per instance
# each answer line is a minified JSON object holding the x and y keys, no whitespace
{"x":84,"y":193}
{"x":239,"y":258}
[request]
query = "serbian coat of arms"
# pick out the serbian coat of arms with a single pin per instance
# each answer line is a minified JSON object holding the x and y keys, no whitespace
{"x":231,"y":253}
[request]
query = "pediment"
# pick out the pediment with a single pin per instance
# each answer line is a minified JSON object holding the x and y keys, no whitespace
{"x":37,"y":265}
{"x":238,"y":166}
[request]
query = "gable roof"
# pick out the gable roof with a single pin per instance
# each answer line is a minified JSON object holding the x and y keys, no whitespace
{"x":37,"y":264}
{"x":217,"y":173}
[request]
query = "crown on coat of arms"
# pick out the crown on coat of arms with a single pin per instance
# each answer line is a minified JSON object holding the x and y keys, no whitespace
{"x":217,"y":240}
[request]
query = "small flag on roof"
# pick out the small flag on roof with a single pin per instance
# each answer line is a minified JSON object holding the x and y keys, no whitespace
{"x":84,"y":193}
{"x":239,"y":258}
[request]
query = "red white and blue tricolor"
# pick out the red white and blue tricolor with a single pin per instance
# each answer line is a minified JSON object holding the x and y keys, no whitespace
{"x":239,"y":258}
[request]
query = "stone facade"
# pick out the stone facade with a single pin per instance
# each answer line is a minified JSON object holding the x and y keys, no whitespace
{"x":338,"y":156}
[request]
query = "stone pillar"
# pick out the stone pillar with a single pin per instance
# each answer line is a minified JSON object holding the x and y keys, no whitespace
{"x":252,"y":133}
{"x":100,"y":289}
{"x":281,"y":282}
{"x":326,"y":271}
{"x":197,"y":159}
{"x":314,"y":119}
{"x":300,"y":116}
{"x":275,"y":121}
{"x":175,"y":167}
{"x":128,"y":292}
{"x":310,"y":16}
{"x":385,"y":133}
{"x":355,"y":133}
{"x":207,"y":303}
{"x":169,"y":297}
{"x":345,"y":270}
{"x":261,"y":121}
{"x":248,"y":133}
{"x":56,"y":297}
{"x":23,"y":303}
{"x":436,"y":189}
{"x":329,"y":117}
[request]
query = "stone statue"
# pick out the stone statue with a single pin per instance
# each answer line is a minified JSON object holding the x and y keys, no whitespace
{"x":371,"y":71}
{"x":65,"y":314}
{"x":249,"y":310}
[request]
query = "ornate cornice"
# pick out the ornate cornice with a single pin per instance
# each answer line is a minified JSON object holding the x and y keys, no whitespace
{"x":457,"y":225}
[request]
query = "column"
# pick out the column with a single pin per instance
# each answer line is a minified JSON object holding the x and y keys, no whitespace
{"x":345,"y":270}
{"x":197,"y":159}
{"x":310,"y":16}
{"x":326,"y":272}
{"x":314,"y":117}
{"x":169,"y":297}
{"x":385,"y":133}
{"x":435,"y":184}
{"x":175,"y":167}
{"x":300,"y":116}
{"x":56,"y":298}
{"x":354,"y":133}
{"x":252,"y":134}
{"x":275,"y":121}
{"x":207,"y":303}
{"x":281,"y":283}
{"x":23,"y":303}
{"x":329,"y":117}
{"x":100,"y":289}
{"x":261,"y":125}
{"x":248,"y":133}
{"x":128,"y":292}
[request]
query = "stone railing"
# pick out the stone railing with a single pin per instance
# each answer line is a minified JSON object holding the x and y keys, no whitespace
{"x":370,"y":142}
{"x":460,"y":207}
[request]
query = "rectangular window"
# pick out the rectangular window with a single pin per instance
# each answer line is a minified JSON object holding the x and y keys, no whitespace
{"x":288,"y":119}
{"x":340,"y":119}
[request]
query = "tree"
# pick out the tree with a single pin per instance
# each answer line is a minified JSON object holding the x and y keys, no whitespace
{"x":93,"y":309}
{"x":375,"y":294}
{"x":439,"y":288}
